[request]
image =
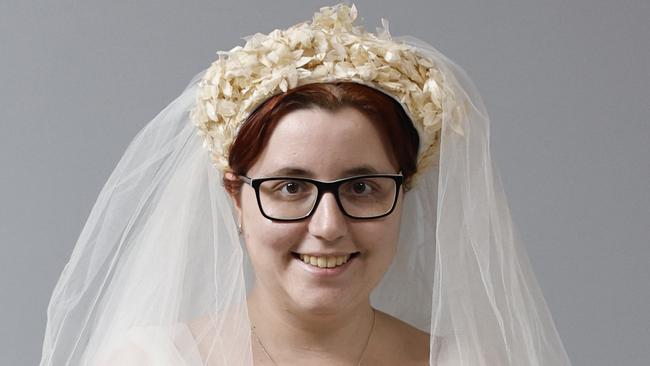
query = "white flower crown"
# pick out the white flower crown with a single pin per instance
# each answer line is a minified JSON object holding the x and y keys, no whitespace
{"x":330,"y":48}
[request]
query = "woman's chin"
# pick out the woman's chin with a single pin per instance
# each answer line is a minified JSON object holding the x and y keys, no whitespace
{"x":322,"y":299}
{"x":321,"y":305}
{"x":326,"y":300}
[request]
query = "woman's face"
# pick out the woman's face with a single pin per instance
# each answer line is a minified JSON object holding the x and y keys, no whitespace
{"x":325,"y":145}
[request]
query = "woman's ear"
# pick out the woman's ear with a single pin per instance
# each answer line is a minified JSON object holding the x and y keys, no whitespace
{"x":234,"y":191}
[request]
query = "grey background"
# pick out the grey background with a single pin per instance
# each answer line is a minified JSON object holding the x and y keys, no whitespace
{"x":566,"y":85}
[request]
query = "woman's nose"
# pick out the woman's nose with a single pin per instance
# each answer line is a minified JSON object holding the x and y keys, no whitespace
{"x":327,"y":221}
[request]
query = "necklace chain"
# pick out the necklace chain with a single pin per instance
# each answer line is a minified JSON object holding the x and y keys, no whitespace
{"x":374,"y":318}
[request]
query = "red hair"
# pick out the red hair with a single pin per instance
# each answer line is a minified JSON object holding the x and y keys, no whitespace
{"x":386,"y":113}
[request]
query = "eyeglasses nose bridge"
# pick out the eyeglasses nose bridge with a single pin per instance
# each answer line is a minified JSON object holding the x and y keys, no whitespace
{"x":325,"y":187}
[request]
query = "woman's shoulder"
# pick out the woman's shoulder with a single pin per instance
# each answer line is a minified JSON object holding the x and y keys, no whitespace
{"x":399,"y":342}
{"x":222,"y":334}
{"x":415,"y":345}
{"x":151,"y":345}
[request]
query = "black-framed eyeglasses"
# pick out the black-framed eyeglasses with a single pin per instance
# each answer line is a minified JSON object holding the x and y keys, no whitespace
{"x":369,"y":196}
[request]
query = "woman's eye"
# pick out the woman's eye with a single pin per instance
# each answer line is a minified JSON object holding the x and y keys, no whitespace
{"x":291,"y":187}
{"x":360,"y":188}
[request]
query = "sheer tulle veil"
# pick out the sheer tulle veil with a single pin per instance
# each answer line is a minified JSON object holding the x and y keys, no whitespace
{"x":159,"y":266}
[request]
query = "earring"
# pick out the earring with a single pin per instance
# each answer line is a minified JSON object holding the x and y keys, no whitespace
{"x":239,"y":229}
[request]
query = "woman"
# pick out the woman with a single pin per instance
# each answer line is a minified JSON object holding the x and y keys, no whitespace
{"x":307,"y":311}
{"x":337,"y":206}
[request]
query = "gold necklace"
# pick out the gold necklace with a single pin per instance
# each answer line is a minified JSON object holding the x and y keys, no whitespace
{"x":374,"y":318}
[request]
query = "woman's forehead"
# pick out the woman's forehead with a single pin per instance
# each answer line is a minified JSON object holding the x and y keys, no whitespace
{"x":318,"y":142}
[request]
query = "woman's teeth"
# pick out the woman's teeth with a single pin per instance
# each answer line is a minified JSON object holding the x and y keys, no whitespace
{"x":324,"y":262}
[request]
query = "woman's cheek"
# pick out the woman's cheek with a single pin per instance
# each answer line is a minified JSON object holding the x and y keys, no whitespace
{"x":278,"y":239}
{"x":378,"y":237}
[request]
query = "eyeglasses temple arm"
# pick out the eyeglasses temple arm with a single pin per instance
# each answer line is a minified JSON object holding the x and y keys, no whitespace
{"x":246,"y":179}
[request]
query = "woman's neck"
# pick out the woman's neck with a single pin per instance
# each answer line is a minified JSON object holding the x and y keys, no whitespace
{"x":287,"y":333}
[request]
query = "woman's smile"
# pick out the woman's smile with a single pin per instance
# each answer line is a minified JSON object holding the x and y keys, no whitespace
{"x":325,"y":266}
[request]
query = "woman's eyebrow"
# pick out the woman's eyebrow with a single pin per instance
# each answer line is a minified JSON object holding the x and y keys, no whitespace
{"x":296,"y":171}
{"x":364,"y":169}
